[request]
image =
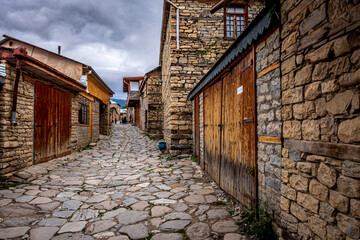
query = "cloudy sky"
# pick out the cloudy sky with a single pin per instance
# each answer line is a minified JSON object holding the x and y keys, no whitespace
{"x":118,"y":38}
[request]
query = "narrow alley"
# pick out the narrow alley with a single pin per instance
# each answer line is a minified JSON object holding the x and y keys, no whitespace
{"x":121,"y":188}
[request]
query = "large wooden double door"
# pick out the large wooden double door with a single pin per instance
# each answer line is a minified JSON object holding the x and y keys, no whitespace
{"x":230,"y":132}
{"x":52,"y":128}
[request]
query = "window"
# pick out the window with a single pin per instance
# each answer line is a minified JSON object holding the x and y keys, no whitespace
{"x":235,"y":21}
{"x":83,"y":110}
{"x":134,"y":86}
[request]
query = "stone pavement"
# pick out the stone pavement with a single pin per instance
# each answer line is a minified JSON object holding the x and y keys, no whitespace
{"x":121,"y":188}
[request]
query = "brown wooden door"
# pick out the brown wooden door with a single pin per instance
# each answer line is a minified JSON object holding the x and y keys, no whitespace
{"x":230,"y":132}
{"x":238,"y":158}
{"x":52,"y":123}
{"x":212,"y":136}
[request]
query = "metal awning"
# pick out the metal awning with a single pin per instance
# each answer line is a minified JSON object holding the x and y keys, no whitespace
{"x":29,"y":64}
{"x":266,"y":20}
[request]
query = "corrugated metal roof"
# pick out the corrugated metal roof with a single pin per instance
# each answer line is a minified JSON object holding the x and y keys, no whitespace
{"x":264,"y":21}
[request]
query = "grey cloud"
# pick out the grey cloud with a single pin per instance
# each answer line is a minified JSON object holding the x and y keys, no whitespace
{"x":120,"y":37}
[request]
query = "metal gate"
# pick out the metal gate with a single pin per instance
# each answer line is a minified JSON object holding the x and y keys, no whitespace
{"x":52,"y":127}
{"x":230,"y":132}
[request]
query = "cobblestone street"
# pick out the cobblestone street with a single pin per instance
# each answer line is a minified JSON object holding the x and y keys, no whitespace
{"x":121,"y":188}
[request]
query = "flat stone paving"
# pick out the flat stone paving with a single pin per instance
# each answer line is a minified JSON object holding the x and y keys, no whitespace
{"x":121,"y":188}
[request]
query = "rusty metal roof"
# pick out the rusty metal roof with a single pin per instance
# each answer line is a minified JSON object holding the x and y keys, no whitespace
{"x":40,"y":69}
{"x":266,"y":20}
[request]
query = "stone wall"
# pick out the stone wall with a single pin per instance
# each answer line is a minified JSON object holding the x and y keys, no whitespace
{"x":268,"y":97}
{"x":104,"y":119}
{"x":202,"y":42}
{"x":152,"y":103}
{"x":74,"y":122}
{"x":166,"y":85}
{"x":320,"y":108}
{"x":83,"y":136}
{"x":144,"y":109}
{"x":16,"y":142}
{"x":95,"y":120}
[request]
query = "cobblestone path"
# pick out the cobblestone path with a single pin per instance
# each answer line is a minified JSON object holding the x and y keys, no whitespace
{"x":122,"y":188}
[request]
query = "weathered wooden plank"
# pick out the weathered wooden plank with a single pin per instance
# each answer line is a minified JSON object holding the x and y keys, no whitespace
{"x":268,"y":139}
{"x":268,"y":69}
{"x":334,"y":150}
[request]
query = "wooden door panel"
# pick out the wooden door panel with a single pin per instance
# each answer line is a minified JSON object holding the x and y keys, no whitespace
{"x":212,"y":120}
{"x":52,"y":122}
{"x":248,"y":131}
{"x":238,"y":161}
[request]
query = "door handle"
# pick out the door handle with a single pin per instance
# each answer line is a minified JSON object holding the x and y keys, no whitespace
{"x":55,"y":123}
{"x":220,"y":126}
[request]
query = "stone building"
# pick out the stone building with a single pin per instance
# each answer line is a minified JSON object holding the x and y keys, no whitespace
{"x":151,"y":105}
{"x":114,"y":112}
{"x":307,"y":117}
{"x":320,"y":82}
{"x":131,"y":86}
{"x":46,"y":110}
{"x":192,"y":39}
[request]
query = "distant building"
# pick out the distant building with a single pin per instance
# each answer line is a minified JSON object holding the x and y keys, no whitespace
{"x":114,"y":111}
{"x":131,"y":87}
{"x":151,"y":105}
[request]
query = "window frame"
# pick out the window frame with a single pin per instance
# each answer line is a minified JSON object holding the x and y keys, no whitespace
{"x":84,"y":111}
{"x":245,"y":14}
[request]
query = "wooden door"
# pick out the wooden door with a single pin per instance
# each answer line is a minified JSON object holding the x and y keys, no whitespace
{"x":52,"y":123}
{"x":197,"y":128}
{"x":247,"y":159}
{"x":212,"y":136}
{"x":238,"y":158}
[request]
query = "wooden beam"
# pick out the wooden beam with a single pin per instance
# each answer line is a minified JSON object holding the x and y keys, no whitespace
{"x":268,"y":69}
{"x":268,"y":139}
{"x":335,"y":150}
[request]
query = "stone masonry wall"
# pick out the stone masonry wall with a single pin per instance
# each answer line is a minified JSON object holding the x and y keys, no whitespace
{"x":155,"y":108}
{"x":74,"y":122}
{"x":143,"y":109}
{"x":202,"y":42}
{"x":16,"y":142}
{"x":320,"y":81}
{"x":95,"y":120}
{"x":166,"y":86}
{"x":269,"y":122}
{"x":105,"y":119}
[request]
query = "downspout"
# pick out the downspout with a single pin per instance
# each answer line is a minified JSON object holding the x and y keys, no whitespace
{"x":177,"y":24}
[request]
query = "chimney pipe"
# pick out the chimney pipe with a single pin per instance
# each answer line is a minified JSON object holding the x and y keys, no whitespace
{"x":59,"y":49}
